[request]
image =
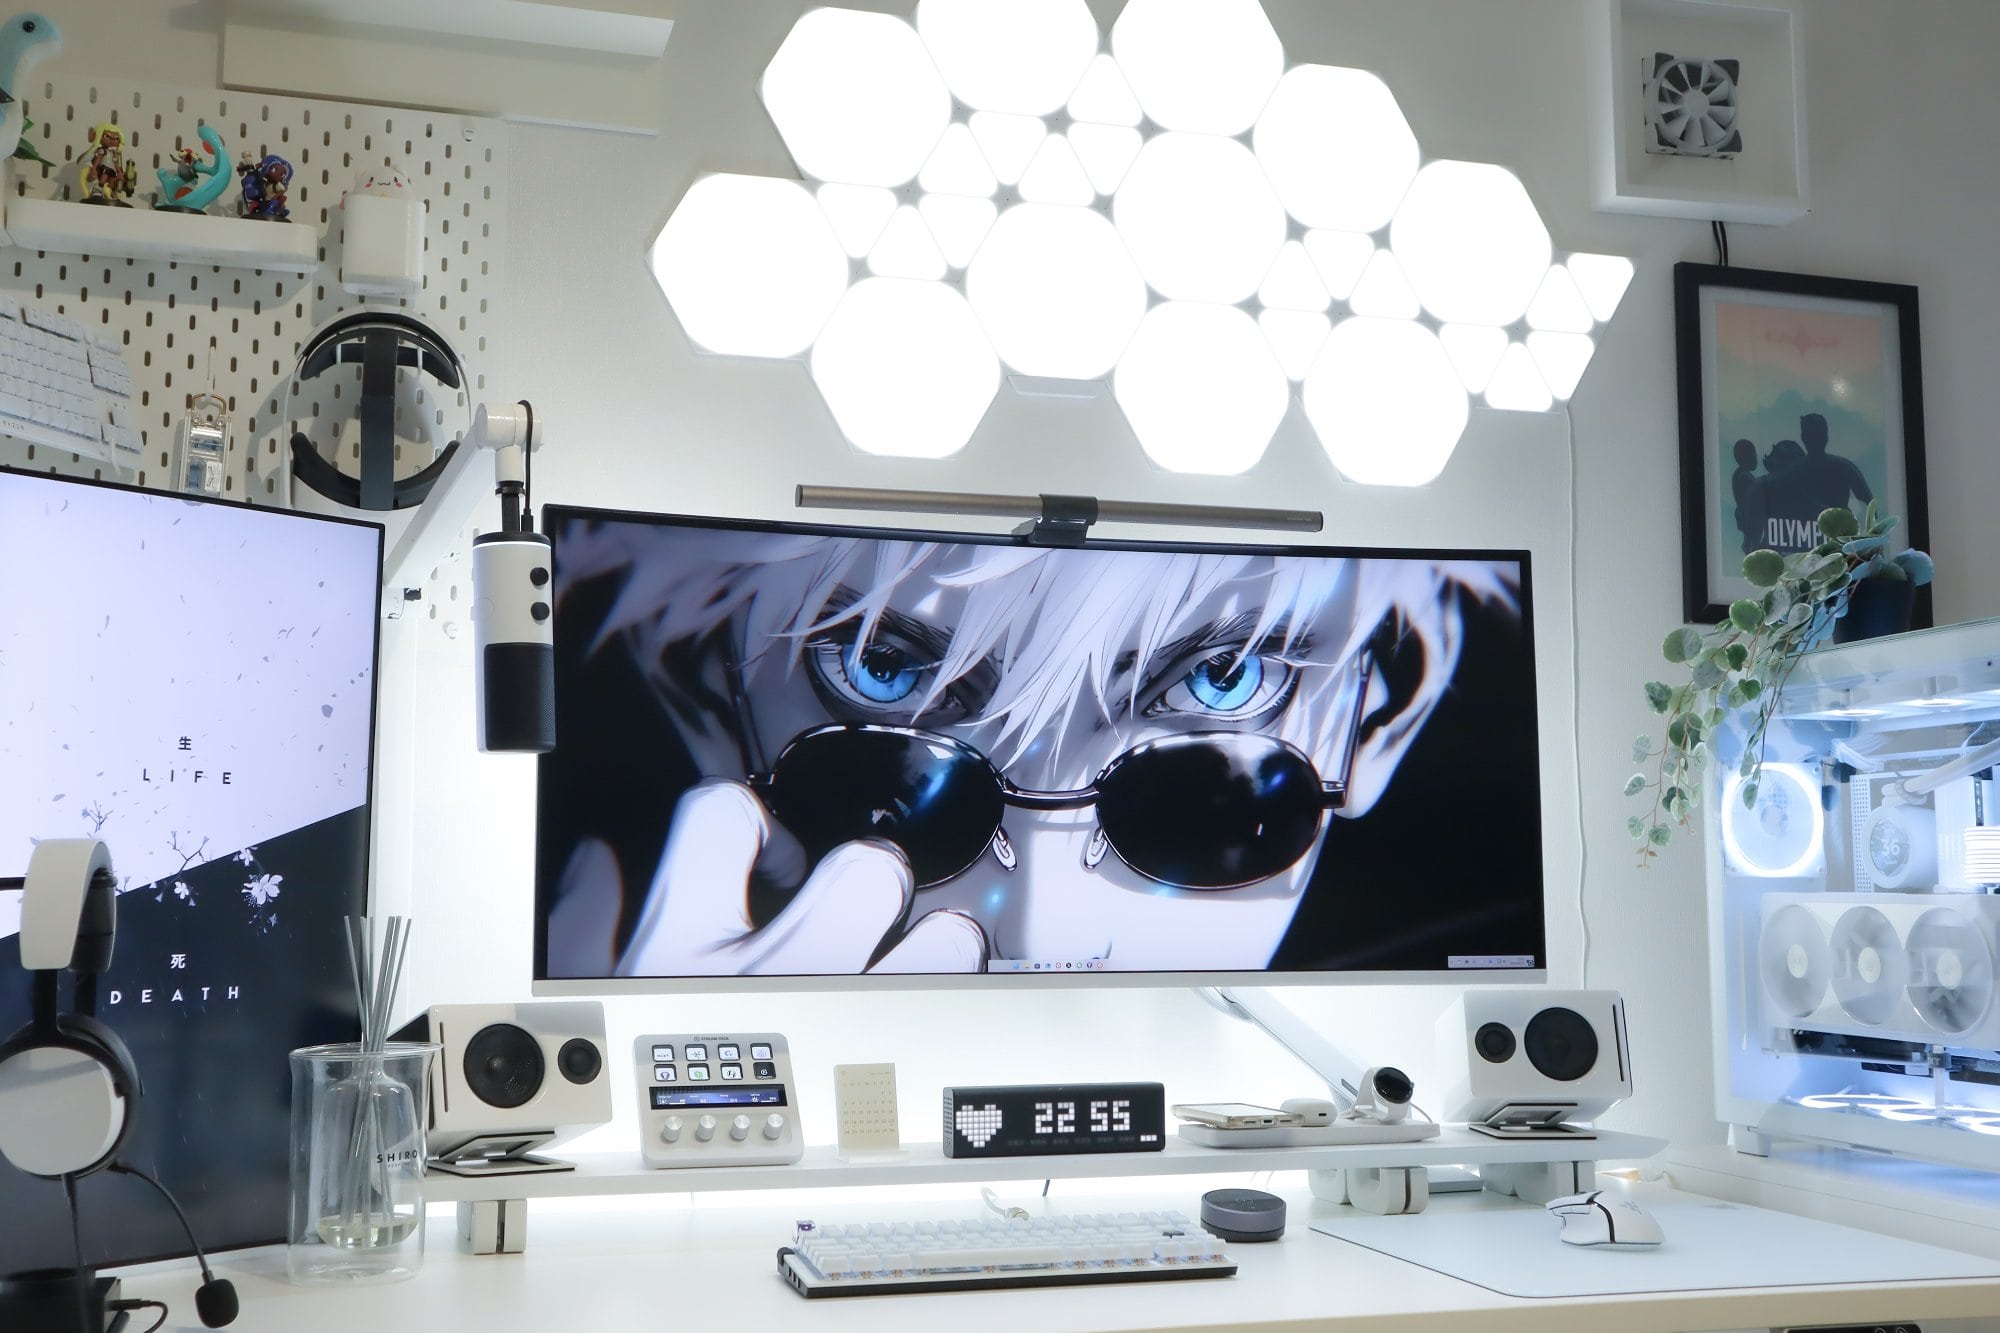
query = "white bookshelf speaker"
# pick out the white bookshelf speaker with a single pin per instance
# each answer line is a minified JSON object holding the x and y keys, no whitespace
{"x":511,"y":1078}
{"x":1522,"y":1059}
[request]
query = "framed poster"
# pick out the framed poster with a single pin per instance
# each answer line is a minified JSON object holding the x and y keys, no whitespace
{"x":1797,"y":394}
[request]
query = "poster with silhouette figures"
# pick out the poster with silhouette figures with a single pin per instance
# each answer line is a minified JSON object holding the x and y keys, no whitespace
{"x":1798,"y":394}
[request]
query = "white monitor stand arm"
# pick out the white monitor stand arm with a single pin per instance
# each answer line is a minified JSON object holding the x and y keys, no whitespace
{"x":1291,"y":1031}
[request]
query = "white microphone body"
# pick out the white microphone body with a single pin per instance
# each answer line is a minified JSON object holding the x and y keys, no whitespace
{"x":513,"y":641}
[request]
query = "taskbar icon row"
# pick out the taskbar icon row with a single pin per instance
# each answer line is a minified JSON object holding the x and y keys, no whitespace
{"x":1029,"y":965}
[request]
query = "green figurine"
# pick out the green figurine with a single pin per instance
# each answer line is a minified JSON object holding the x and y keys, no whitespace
{"x":26,"y":151}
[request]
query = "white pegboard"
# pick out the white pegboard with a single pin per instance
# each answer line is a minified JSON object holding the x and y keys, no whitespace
{"x":178,"y":319}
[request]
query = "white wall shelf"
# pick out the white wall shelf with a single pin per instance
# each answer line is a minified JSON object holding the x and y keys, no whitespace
{"x":608,"y":27}
{"x":587,"y":63}
{"x":925,"y":1163}
{"x":59,"y":227}
{"x":1766,"y":182}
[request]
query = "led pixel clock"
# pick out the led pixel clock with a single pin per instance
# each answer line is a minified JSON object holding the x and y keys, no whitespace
{"x":1047,"y":1119}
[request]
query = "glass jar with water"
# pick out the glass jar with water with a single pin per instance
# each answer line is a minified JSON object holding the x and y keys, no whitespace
{"x":358,"y":1132}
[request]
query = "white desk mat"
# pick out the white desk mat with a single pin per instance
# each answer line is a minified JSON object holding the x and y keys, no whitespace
{"x":1709,"y":1245}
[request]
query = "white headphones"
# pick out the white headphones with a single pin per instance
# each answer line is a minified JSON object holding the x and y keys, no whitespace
{"x":67,"y":1084}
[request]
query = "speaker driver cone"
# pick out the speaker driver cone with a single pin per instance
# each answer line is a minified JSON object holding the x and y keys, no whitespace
{"x":503,"y":1065}
{"x":1561,"y":1044}
{"x":579,"y":1060}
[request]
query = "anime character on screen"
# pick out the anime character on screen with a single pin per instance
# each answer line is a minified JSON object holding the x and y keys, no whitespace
{"x":926,"y":756}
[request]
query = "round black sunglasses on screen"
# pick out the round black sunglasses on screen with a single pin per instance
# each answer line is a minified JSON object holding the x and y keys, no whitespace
{"x":1199,"y":810}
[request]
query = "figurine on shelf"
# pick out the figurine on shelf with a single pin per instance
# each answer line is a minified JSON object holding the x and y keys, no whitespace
{"x":264,"y":185}
{"x":26,"y":151}
{"x":189,"y":185}
{"x":106,"y":174}
{"x":24,"y":39}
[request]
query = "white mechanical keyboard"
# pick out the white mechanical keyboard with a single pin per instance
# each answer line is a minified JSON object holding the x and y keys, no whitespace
{"x":64,"y":386}
{"x":966,"y":1254}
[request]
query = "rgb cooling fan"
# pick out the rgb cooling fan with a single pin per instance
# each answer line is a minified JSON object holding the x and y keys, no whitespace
{"x":1691,"y":106}
{"x":1869,"y":966}
{"x":1951,"y":971}
{"x":1793,"y":958}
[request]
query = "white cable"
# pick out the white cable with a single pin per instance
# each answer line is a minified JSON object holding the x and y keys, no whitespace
{"x":1943,"y":773}
{"x":993,"y":1202}
{"x":1576,"y":710}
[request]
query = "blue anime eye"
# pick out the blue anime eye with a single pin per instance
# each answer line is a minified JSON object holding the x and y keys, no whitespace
{"x":881,"y":672}
{"x":1226,"y":681}
{"x":1232,"y":685}
{"x":883,"y":680}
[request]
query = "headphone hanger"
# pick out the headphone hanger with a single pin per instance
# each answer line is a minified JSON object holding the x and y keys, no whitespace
{"x":380,"y":342}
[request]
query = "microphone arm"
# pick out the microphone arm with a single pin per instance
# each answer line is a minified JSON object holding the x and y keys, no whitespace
{"x":502,"y":437}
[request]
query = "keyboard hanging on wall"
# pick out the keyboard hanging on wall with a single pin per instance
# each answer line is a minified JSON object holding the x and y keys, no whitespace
{"x":66,"y":388}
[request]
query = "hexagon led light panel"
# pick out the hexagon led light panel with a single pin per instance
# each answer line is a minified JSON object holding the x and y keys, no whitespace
{"x":996,"y":184}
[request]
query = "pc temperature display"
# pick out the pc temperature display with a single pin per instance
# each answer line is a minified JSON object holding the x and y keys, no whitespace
{"x":1047,"y":1119}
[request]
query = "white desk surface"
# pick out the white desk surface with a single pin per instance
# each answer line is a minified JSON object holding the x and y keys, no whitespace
{"x":710,"y":1261}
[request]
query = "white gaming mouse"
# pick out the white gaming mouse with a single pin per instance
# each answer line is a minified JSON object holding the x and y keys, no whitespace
{"x":1594,"y":1219}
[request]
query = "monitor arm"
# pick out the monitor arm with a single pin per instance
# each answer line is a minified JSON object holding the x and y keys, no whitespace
{"x":1291,"y":1031}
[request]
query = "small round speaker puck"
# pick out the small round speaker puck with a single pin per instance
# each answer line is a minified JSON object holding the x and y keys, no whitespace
{"x":1243,"y":1215}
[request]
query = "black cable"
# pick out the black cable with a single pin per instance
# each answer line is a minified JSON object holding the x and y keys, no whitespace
{"x":161,"y":1306}
{"x":85,"y":1285}
{"x":528,"y":470}
{"x":215,"y":1301}
{"x":1719,"y":232}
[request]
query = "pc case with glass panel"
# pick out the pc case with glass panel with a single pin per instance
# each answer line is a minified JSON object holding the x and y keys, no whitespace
{"x":1855,"y":910}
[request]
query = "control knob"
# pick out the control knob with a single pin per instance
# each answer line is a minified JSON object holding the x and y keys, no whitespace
{"x":704,"y":1128}
{"x":739,"y":1128}
{"x":774,"y":1125}
{"x":670,"y":1132}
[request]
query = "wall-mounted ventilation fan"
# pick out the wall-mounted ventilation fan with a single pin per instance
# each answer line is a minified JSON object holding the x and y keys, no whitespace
{"x":1691,"y":106}
{"x":1869,"y":967}
{"x":1951,"y":971}
{"x":1794,"y":960}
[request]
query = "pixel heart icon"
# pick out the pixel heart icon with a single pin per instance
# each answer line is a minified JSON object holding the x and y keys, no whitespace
{"x":977,"y":1124}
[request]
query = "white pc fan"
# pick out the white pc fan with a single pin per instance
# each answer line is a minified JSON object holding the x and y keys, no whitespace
{"x":1869,"y":966}
{"x":1784,"y":835}
{"x":1793,"y":957}
{"x":1691,"y":106}
{"x":1950,"y":970}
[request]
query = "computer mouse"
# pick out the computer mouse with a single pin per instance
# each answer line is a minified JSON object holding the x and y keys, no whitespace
{"x":1594,"y":1219}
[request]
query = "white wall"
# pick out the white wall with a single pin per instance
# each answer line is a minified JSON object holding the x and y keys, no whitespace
{"x":1903,"y":190}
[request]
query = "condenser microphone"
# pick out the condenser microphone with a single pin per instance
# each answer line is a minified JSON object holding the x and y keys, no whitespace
{"x":513,"y":632}
{"x":513,"y":641}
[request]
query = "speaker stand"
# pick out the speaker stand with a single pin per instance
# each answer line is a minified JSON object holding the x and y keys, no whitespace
{"x":480,"y":1168}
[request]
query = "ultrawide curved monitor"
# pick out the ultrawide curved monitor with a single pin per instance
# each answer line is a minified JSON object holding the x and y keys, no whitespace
{"x":792,"y":754}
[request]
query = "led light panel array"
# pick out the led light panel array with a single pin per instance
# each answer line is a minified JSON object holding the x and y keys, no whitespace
{"x":988,"y":186}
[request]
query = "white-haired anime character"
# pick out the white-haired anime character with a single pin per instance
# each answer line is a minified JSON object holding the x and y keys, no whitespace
{"x":945,"y":756}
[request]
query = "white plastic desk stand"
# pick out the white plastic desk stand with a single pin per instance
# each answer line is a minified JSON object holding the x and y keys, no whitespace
{"x":1538,"y":1182}
{"x":493,"y":1226}
{"x":1385,"y":1190}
